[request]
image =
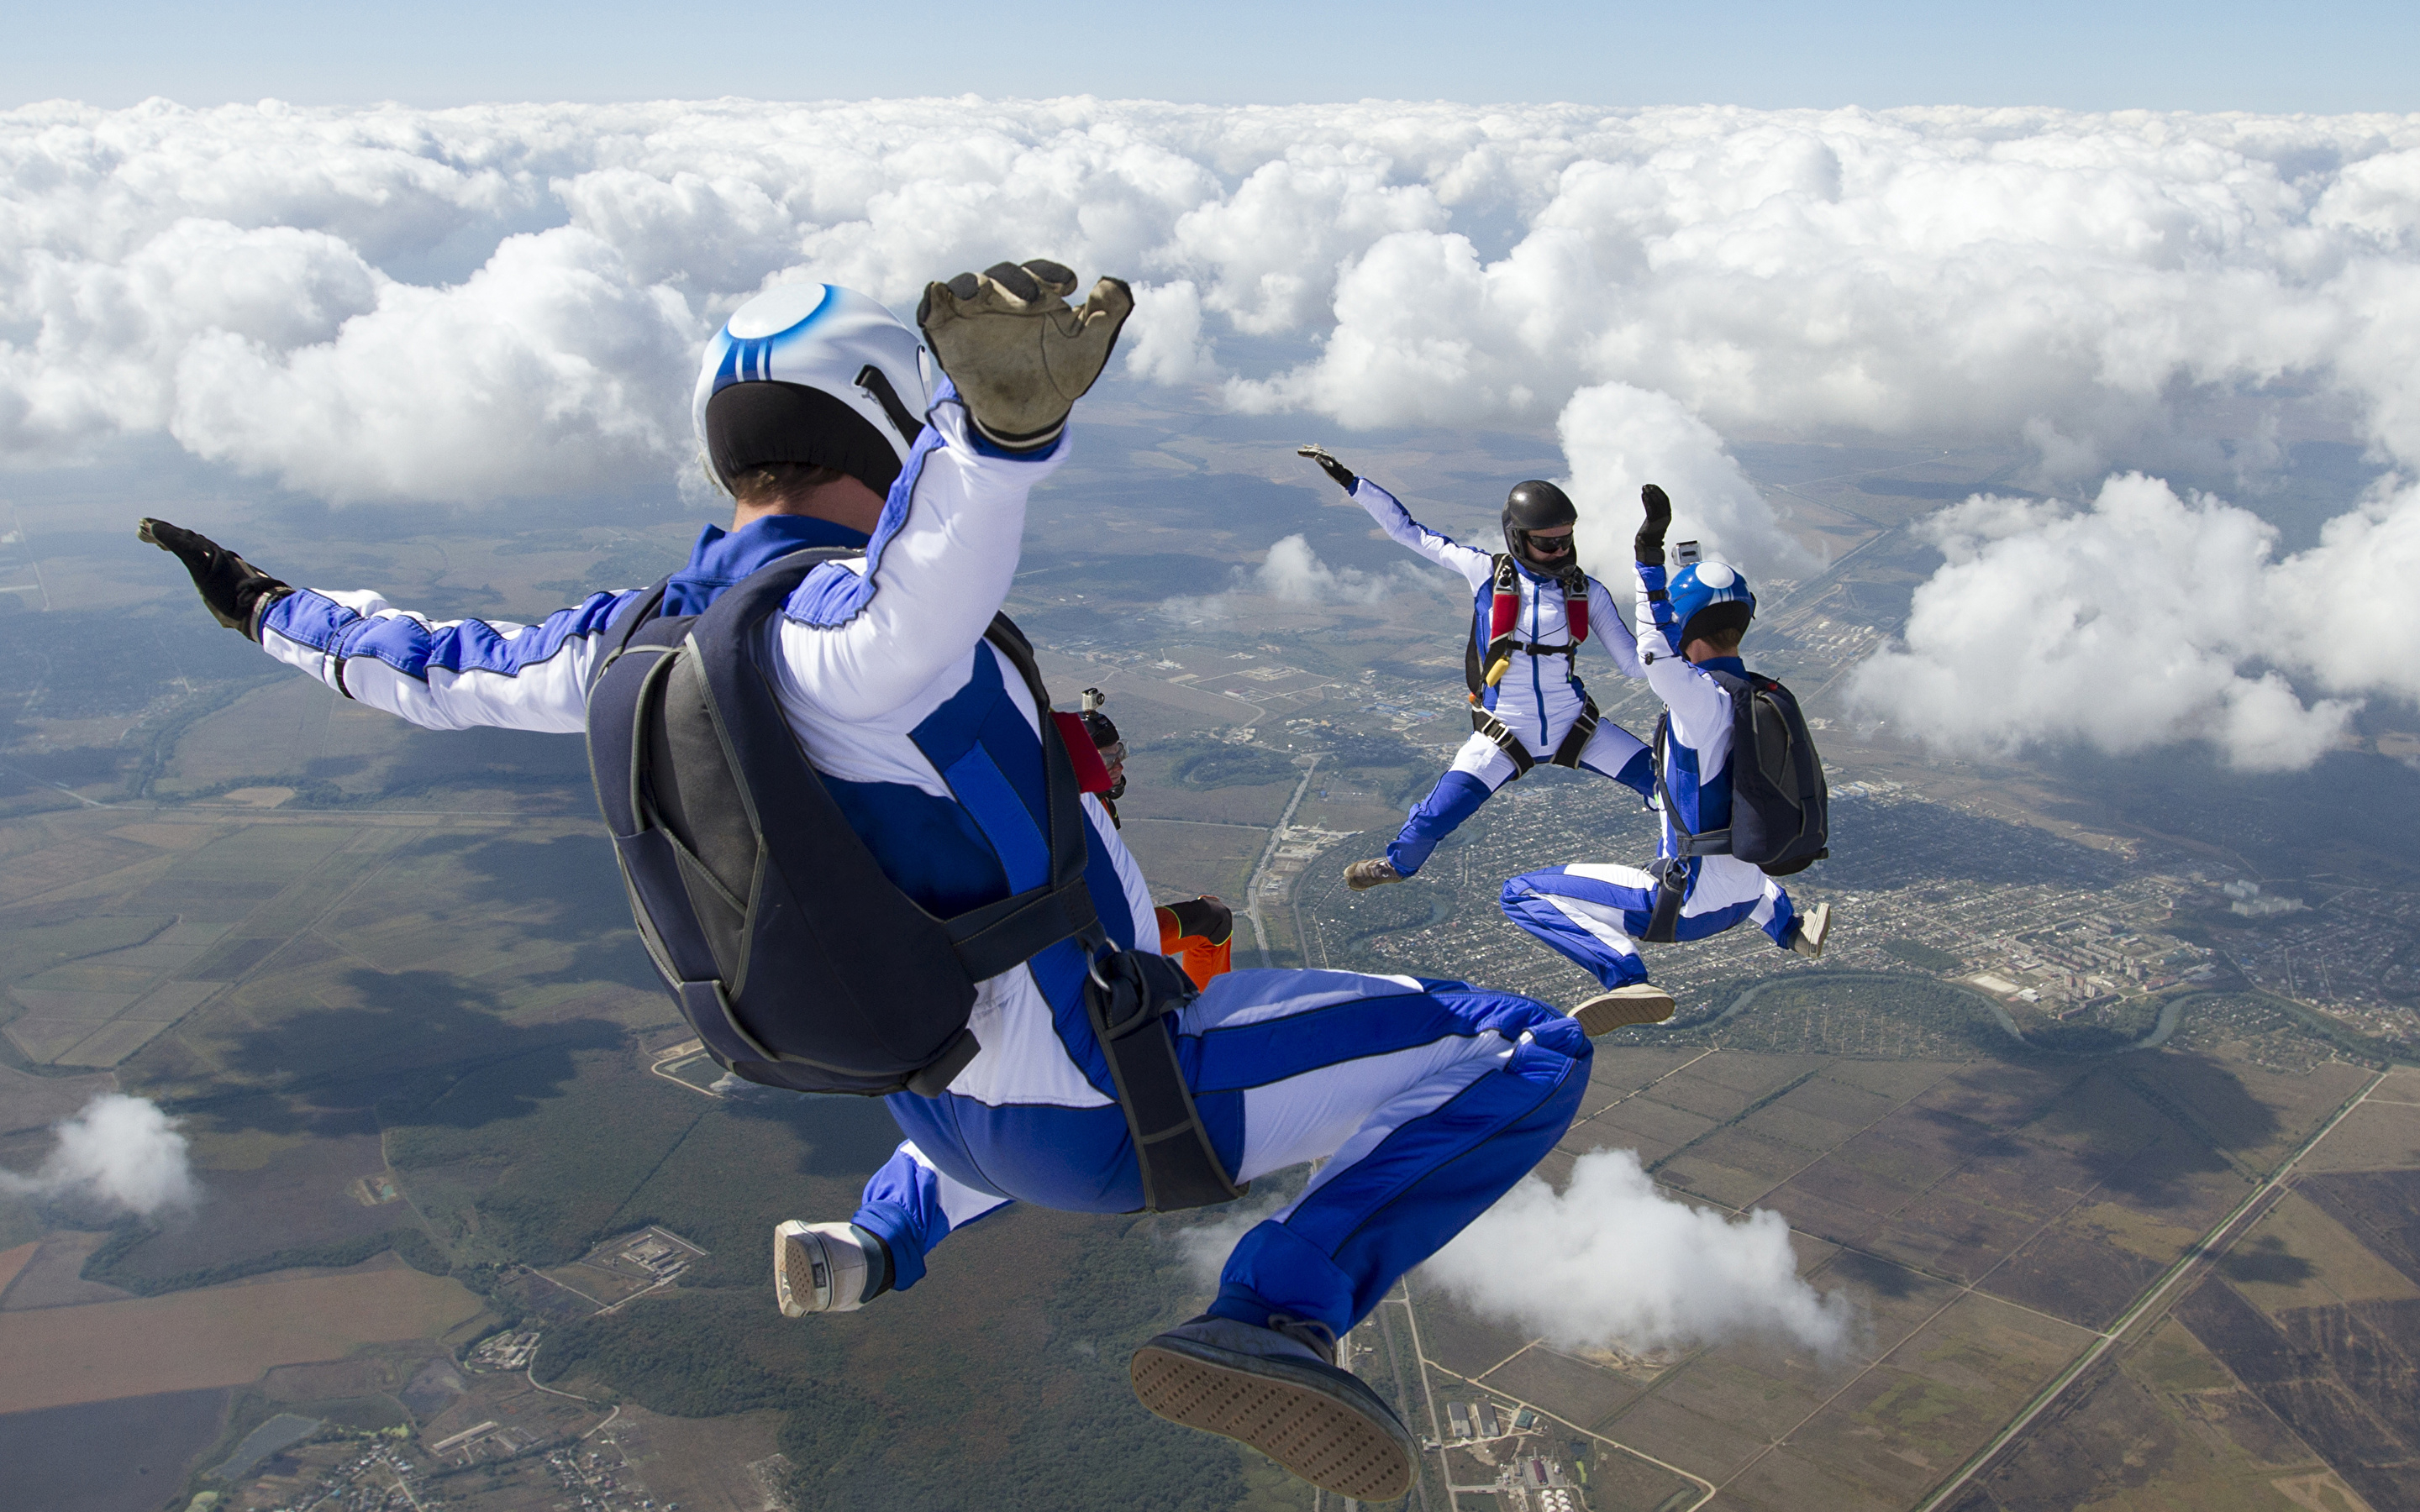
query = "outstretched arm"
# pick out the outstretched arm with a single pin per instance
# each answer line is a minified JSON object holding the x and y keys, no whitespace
{"x":860,"y":639}
{"x":1607,"y":627}
{"x":1475,"y":567}
{"x":1698,"y":704}
{"x":858,"y":644}
{"x":447,"y":675}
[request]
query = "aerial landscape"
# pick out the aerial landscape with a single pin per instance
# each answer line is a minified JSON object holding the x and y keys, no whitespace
{"x":352,"y":1155}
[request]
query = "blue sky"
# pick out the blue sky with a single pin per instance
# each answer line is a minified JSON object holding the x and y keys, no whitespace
{"x":2160,"y":54}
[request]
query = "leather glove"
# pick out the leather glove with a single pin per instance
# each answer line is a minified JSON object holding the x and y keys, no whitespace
{"x":234,"y":590}
{"x":1342,"y":474}
{"x":1019,"y":355}
{"x":1648,"y":544}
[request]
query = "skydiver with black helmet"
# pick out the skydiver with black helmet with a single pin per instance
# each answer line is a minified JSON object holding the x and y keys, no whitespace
{"x":1534,"y":607}
{"x":1704,"y":880}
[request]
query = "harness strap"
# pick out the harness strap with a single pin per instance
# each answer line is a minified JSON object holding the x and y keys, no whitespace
{"x":1575,"y":739}
{"x":1567,"y":750}
{"x":1129,"y":996}
{"x":1483,"y":722}
{"x":1685,"y":842}
{"x":1671,"y":873}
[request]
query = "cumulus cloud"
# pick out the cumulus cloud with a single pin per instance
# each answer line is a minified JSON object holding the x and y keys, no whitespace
{"x":1618,"y":438}
{"x":518,"y":289}
{"x":1293,"y":573}
{"x":1163,"y":338}
{"x":2145,"y":617}
{"x":1611,"y":1261}
{"x":119,"y":1153}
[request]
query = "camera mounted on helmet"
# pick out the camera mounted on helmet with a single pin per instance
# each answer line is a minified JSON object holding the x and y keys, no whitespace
{"x":1105,"y":740}
{"x":1709,"y":601}
{"x":1536,"y":506}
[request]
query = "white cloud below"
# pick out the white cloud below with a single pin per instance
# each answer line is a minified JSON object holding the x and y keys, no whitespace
{"x":121,"y":1153}
{"x":1612,"y":1261}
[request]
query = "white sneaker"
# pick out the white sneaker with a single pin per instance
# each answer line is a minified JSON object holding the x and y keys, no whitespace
{"x":1277,"y":1390}
{"x":1638,"y":1003}
{"x":1807,"y":939}
{"x":825,"y":1268}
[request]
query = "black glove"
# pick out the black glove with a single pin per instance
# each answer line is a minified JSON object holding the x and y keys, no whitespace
{"x":233,"y":588}
{"x":1020,"y":356}
{"x":1648,"y":544}
{"x":1342,"y":474}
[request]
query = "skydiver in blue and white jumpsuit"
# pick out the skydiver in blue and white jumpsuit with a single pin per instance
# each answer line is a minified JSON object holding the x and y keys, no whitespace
{"x":1538,"y":696}
{"x":1593,"y":912}
{"x":1427,"y":1100}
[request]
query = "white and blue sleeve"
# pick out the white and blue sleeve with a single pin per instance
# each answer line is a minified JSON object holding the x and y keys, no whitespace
{"x":447,"y":674}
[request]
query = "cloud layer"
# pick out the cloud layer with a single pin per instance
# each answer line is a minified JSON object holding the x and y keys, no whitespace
{"x":479,"y":303}
{"x":1613,"y":1263}
{"x":503,"y":300}
{"x":119,"y":1153}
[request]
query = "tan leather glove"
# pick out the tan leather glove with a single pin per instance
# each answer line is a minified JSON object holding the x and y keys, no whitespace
{"x":1020,"y":356}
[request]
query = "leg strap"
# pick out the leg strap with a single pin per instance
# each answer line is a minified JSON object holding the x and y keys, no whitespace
{"x":1671,"y":875}
{"x":1483,"y":720}
{"x":1575,"y":739}
{"x":1127,"y":997}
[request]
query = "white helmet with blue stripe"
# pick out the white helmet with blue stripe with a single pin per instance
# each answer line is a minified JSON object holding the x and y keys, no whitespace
{"x":811,"y":374}
{"x":1709,"y":598}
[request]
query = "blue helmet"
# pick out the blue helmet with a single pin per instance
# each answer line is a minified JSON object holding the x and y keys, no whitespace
{"x":811,"y":374}
{"x":1709,"y":598}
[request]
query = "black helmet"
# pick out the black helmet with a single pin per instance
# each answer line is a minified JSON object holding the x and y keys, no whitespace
{"x":1537,"y":505}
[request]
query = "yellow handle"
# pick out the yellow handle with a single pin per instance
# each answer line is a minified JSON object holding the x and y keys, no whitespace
{"x":1495,"y":673}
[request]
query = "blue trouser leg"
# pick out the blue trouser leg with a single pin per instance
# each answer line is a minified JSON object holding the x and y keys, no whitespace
{"x":1783,"y":921}
{"x":1588,"y":920}
{"x":1428,"y":1107}
{"x":911,"y":1207}
{"x":1456,"y":796}
{"x":1592,"y":914}
{"x":1615,"y":753}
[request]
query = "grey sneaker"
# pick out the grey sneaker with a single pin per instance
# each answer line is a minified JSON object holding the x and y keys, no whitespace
{"x":1375,"y":872}
{"x":1277,"y":1390}
{"x":1808,"y":938}
{"x":1638,"y":1003}
{"x":827,"y":1268}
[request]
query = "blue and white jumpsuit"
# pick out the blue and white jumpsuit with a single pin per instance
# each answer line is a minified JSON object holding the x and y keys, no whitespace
{"x":1593,"y":911}
{"x":1428,"y":1100}
{"x":1537,"y":698}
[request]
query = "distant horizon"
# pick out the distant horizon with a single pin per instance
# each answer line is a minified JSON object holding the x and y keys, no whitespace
{"x":2145,"y":55}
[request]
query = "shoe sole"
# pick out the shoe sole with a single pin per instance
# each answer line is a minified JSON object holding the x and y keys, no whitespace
{"x":1365,"y":886}
{"x":1603,"y":1015}
{"x":1291,"y":1415}
{"x":788,"y":1250}
{"x":1813,"y":948}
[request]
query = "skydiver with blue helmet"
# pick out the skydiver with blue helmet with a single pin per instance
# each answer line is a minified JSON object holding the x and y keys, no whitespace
{"x":1424,"y":1100}
{"x":1690,"y":624}
{"x":1534,"y":607}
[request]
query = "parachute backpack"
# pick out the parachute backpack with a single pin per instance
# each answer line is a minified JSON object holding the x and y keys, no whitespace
{"x":790,"y":951}
{"x":1780,"y":806}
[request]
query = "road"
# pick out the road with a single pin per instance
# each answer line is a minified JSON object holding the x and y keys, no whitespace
{"x":2207,"y":1248}
{"x":1268,"y":856}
